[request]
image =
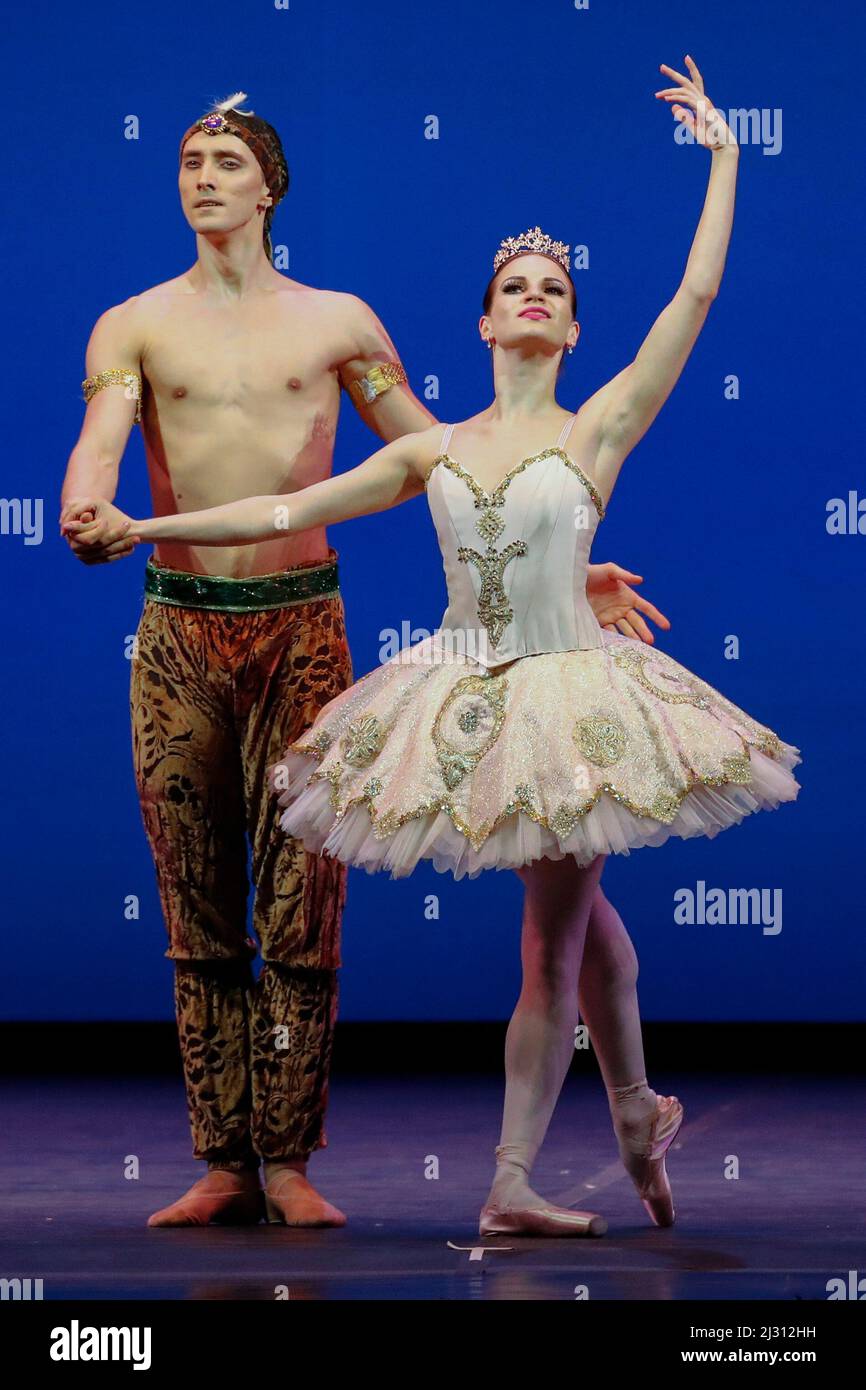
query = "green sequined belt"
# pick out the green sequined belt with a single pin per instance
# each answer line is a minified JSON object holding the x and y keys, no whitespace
{"x":259,"y":591}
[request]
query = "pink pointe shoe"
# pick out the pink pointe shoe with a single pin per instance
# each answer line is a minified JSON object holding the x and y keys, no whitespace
{"x":225,"y":1201}
{"x":540,"y":1221}
{"x":646,"y":1148}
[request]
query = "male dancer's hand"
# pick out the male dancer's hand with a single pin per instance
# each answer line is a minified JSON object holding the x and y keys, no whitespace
{"x":96,"y":530}
{"x":617,"y":606}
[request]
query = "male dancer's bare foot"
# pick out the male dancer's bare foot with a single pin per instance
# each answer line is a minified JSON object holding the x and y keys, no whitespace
{"x":290,"y":1200}
{"x":223,"y":1197}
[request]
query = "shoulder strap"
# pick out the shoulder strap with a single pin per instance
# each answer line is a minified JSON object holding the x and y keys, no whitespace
{"x":446,"y":439}
{"x":566,"y":430}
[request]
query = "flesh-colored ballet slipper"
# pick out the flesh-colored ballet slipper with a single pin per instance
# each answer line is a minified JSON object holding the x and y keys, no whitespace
{"x":540,"y":1221}
{"x":647,"y":1147}
{"x":233,"y":1205}
{"x":292,"y":1201}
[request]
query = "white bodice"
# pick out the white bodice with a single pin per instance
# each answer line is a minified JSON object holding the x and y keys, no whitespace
{"x":516,"y":558}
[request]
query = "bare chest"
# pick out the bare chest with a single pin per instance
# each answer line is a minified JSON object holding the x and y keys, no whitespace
{"x":244,"y":355}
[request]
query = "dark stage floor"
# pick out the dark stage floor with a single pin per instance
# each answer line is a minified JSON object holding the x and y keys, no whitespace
{"x":793,"y":1219}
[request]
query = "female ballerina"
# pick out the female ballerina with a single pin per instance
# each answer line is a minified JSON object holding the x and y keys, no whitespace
{"x":522,"y":734}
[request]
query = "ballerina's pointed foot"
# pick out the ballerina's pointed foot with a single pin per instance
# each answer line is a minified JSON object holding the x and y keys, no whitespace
{"x":290,"y":1200}
{"x":220,"y":1198}
{"x":540,"y":1221}
{"x":643,"y":1149}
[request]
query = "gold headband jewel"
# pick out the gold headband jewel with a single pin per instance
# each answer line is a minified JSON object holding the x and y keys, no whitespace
{"x":214,"y":123}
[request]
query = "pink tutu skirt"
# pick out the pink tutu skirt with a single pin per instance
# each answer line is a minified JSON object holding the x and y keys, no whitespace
{"x":601,"y":751}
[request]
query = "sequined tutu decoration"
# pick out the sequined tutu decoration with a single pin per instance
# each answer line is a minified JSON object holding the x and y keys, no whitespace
{"x":585,"y":752}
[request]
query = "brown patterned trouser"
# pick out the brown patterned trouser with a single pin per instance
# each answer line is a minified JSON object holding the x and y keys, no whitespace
{"x":215,"y":698}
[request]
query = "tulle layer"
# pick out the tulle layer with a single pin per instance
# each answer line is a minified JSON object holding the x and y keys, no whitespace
{"x":581,"y":752}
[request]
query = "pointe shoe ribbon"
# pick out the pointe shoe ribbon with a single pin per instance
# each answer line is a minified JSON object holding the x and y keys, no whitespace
{"x":663,"y":1129}
{"x":540,"y":1221}
{"x":232,"y":1203}
{"x":647,"y":1165}
{"x":292,"y":1201}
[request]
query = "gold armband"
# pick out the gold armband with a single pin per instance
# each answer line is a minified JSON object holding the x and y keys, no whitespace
{"x":115,"y":376}
{"x":377,"y":381}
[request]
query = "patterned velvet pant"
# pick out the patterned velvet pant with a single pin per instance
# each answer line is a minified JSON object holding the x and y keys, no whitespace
{"x":215,"y":698}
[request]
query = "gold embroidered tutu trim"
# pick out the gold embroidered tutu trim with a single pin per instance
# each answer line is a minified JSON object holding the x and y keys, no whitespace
{"x":581,"y":752}
{"x":735,"y":770}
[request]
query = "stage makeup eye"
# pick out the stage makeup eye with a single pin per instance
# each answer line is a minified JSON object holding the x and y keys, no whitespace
{"x":553,"y":288}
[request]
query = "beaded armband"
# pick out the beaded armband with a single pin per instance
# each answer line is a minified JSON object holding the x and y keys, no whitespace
{"x":115,"y":376}
{"x":377,"y":381}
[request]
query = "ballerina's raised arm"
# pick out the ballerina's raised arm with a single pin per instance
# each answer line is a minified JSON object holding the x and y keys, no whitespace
{"x":635,"y":396}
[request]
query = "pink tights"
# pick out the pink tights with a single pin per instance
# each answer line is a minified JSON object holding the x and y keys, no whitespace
{"x":578,"y":961}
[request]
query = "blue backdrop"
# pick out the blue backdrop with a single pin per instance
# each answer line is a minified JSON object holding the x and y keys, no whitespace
{"x":545,"y":115}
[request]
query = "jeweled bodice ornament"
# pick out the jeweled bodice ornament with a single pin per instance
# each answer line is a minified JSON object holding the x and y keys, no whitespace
{"x":537,"y":521}
{"x":494,"y":610}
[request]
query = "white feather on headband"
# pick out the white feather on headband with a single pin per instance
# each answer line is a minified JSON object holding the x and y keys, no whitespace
{"x":231,"y":104}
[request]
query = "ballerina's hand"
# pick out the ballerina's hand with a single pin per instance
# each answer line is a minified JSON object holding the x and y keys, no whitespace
{"x":617,"y":606}
{"x":710,"y":129}
{"x":95,"y":528}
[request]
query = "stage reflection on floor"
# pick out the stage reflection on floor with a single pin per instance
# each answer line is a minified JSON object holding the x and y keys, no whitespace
{"x":768,"y":1178}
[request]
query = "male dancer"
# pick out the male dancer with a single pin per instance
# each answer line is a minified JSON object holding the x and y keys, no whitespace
{"x":234,"y":372}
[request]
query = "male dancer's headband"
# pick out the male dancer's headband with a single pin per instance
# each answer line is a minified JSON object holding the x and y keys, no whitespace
{"x":223,"y":119}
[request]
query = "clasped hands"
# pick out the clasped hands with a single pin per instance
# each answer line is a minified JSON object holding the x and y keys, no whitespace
{"x":96,"y":530}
